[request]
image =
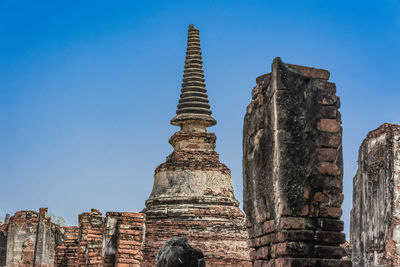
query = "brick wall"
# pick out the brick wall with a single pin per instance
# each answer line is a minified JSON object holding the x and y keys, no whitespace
{"x":91,"y":228}
{"x":67,"y":252}
{"x":130,"y":233}
{"x":30,"y":238}
{"x":116,"y":240}
{"x":218,"y":231}
{"x":293,"y":170}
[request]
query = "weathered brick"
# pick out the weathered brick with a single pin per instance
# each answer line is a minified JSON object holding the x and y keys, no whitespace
{"x":263,"y":253}
{"x":292,"y":223}
{"x":329,"y":112}
{"x":321,"y":197}
{"x":329,"y":168}
{"x":332,"y":212}
{"x":330,"y":237}
{"x":327,"y":154}
{"x":329,"y":125}
{"x":326,"y":139}
{"x":329,"y":251}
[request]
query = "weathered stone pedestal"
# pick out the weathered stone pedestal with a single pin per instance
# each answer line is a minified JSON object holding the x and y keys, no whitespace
{"x":193,"y":197}
{"x":292,"y":167}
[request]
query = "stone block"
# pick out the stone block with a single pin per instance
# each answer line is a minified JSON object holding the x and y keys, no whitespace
{"x":329,"y":125}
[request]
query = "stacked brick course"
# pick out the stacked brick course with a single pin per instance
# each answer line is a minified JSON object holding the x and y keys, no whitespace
{"x":116,"y":240}
{"x":214,"y":229}
{"x":375,"y":219}
{"x":91,"y":228}
{"x":67,"y":252}
{"x":292,"y":169}
{"x":130,"y":241}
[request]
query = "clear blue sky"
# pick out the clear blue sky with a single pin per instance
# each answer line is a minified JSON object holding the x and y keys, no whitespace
{"x":87,"y":88}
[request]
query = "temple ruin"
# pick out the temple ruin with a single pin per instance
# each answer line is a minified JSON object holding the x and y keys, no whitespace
{"x":192,"y":197}
{"x":293,"y":183}
{"x":30,"y":239}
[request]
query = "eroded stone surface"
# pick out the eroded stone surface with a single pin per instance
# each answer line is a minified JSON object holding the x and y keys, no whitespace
{"x":292,"y":168}
{"x":375,"y":217}
{"x":29,"y":238}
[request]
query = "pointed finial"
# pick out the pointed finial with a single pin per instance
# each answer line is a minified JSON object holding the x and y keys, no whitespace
{"x":193,"y":107}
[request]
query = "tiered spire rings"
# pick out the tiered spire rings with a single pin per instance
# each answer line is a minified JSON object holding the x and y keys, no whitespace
{"x":193,"y":107}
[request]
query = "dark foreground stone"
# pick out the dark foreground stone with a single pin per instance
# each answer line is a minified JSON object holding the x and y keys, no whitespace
{"x":177,"y":252}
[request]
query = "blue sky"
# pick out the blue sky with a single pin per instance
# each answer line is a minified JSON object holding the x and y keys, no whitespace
{"x":87,"y":88}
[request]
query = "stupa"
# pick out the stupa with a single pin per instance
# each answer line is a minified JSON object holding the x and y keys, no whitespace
{"x":192,"y":194}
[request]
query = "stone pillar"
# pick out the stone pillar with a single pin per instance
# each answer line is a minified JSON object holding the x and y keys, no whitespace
{"x":45,"y":240}
{"x":375,"y":217}
{"x":293,"y":170}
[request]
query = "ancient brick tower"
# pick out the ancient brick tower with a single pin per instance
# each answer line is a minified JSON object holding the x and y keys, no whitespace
{"x":192,"y":194}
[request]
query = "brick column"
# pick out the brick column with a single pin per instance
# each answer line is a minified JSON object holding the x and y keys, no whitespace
{"x":130,"y":244}
{"x":91,"y":228}
{"x":67,"y":252}
{"x":292,"y":169}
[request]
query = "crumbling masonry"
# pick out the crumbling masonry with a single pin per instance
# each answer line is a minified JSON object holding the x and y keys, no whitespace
{"x":292,"y":169}
{"x":30,"y":239}
{"x":375,"y":217}
{"x":192,"y":197}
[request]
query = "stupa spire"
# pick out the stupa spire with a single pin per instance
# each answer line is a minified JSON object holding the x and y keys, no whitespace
{"x":193,"y":107}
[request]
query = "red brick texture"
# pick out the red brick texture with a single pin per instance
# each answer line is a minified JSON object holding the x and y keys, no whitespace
{"x":190,"y":156}
{"x":91,"y":228}
{"x":216,"y":230}
{"x":31,"y":239}
{"x":67,"y":252}
{"x":130,"y":242}
{"x":116,"y":240}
